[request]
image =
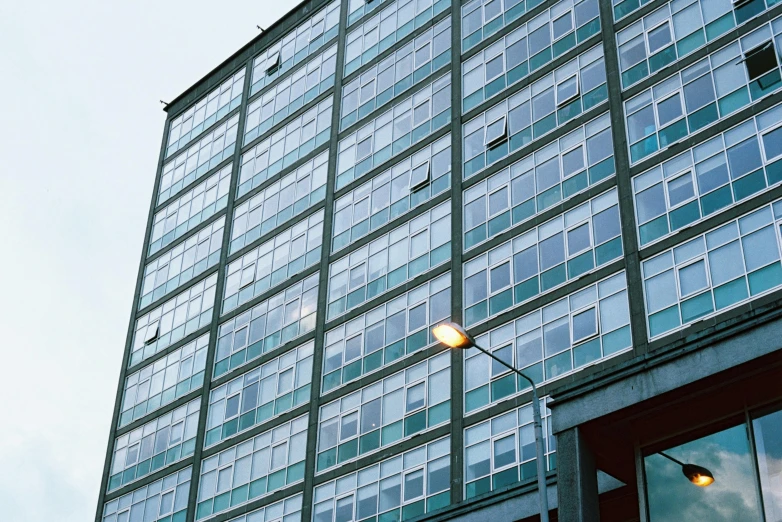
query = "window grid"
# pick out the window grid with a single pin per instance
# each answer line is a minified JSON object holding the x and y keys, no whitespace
{"x":543,"y":258}
{"x":279,"y":202}
{"x":689,"y":25}
{"x":274,"y":262}
{"x":198,"y":159}
{"x":158,"y":443}
{"x":552,"y":174}
{"x":286,"y":146}
{"x":569,"y":334}
{"x":290,"y":95}
{"x":358,"y":8}
{"x":533,"y":45}
{"x":483,"y":18}
{"x":164,"y":381}
{"x":726,"y":169}
{"x":535,"y":111}
{"x":253,"y":469}
{"x":394,"y":131}
{"x":407,"y":67}
{"x":269,"y":324}
{"x":302,"y":42}
{"x":176,"y":318}
{"x":164,"y":500}
{"x":399,"y":488}
{"x":389,"y":195}
{"x":206,"y":112}
{"x":286,"y":510}
{"x":408,"y":402}
{"x":389,"y":261}
{"x":180,"y":265}
{"x":381,"y":336}
{"x":501,"y":451}
{"x":190,"y":210}
{"x":700,"y":95}
{"x":260,"y":394}
{"x":386,"y":28}
{"x":715,"y":271}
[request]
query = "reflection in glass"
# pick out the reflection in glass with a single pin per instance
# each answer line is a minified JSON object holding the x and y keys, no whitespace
{"x":732,"y":496}
{"x":768,"y":444}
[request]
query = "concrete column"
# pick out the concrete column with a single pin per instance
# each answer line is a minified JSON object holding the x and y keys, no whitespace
{"x":576,"y":479}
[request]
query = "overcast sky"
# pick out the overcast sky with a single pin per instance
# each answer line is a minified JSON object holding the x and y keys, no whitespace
{"x":80,"y":133}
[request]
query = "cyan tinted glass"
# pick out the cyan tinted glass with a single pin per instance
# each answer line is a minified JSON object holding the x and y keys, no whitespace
{"x":726,"y":169}
{"x":398,"y":73}
{"x":385,"y":334}
{"x":543,"y":258}
{"x":554,"y":173}
{"x":715,"y":271}
{"x":569,"y":334}
{"x":533,"y":45}
{"x":165,"y":500}
{"x":391,"y":194}
{"x":703,"y":93}
{"x":535,"y":111}
{"x":388,"y":27}
{"x":674,"y":31}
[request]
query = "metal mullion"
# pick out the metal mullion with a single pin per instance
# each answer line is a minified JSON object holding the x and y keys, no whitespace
{"x":217,"y":305}
{"x":638,"y":323}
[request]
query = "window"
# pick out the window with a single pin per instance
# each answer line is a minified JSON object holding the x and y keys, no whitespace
{"x":673,"y":32}
{"x":286,"y":510}
{"x":286,"y":146}
{"x":408,"y":402}
{"x":569,"y":334}
{"x":260,"y":394}
{"x":198,"y":159}
{"x":290,"y":94}
{"x":162,"y":499}
{"x":496,"y":132}
{"x":539,"y":260}
{"x":275,"y":261}
{"x":392,"y":259}
{"x":399,"y":488}
{"x":176,"y":318}
{"x":164,"y":381}
{"x":501,"y":451}
{"x":391,"y":133}
{"x":267,"y":326}
{"x":295,"y":47}
{"x":713,"y":272}
{"x":712,"y":176}
{"x":557,"y":171}
{"x":760,"y":60}
{"x":253,"y":469}
{"x":396,"y":74}
{"x":208,"y":110}
{"x":386,"y":28}
{"x":517,"y":55}
{"x":527,"y":117}
{"x":385,"y":334}
{"x":701,"y":94}
{"x":148,"y":448}
{"x":392,"y":193}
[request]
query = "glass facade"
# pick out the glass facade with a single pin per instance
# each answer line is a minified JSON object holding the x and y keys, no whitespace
{"x":578,"y":183}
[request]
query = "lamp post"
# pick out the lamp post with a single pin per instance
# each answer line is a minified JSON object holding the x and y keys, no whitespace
{"x":698,"y":475}
{"x":453,"y":335}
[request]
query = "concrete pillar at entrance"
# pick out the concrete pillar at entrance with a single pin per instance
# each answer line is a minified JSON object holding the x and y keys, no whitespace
{"x":576,"y":479}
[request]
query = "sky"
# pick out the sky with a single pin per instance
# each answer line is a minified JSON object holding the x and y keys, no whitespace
{"x":80,"y":132}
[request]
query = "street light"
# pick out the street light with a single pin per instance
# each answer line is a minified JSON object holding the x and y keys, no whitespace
{"x":698,"y":475}
{"x":453,"y":335}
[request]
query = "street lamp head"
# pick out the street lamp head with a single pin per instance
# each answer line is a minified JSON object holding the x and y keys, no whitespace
{"x":453,"y":335}
{"x":698,"y":475}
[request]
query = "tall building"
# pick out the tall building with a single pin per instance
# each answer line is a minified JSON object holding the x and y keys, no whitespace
{"x":592,"y":188}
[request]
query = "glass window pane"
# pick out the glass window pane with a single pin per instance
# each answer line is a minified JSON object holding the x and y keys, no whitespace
{"x":768,"y":444}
